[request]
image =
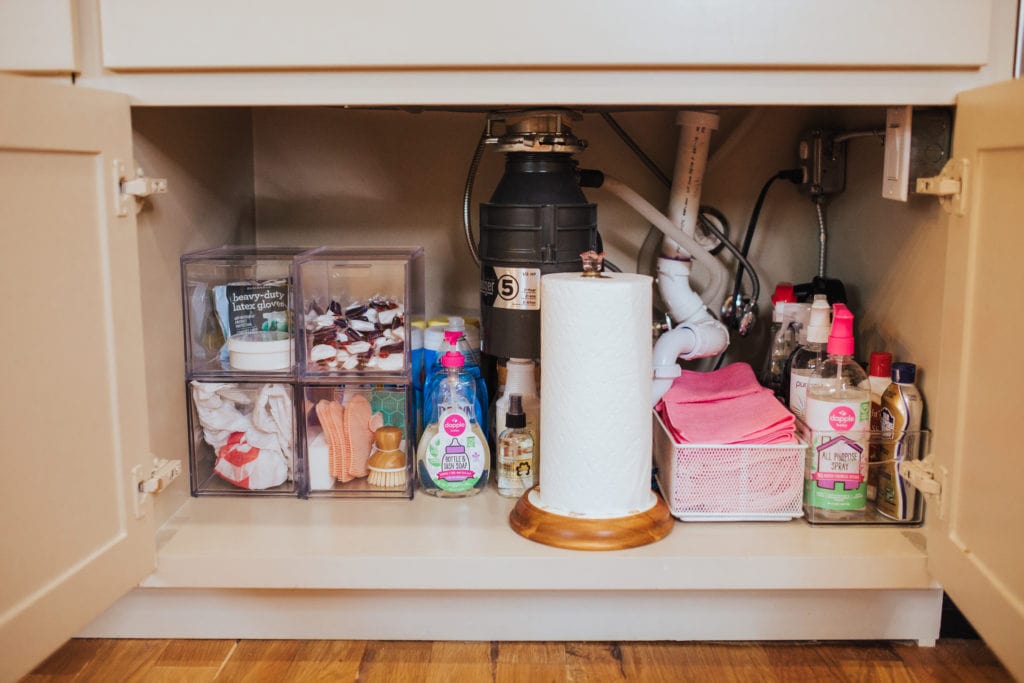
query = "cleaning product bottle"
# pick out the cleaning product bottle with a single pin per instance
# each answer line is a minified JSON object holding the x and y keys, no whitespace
{"x":780,"y":339}
{"x":520,"y":378}
{"x":516,"y":453}
{"x":453,"y":459}
{"x":808,"y":358}
{"x":879,"y":370}
{"x":455,"y":340}
{"x":900,"y":422}
{"x":838,"y":412}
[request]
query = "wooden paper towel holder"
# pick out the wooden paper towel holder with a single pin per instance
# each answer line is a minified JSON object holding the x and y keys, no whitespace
{"x":583,"y":533}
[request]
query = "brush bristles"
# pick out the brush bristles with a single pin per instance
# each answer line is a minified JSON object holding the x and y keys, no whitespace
{"x":386,"y":479}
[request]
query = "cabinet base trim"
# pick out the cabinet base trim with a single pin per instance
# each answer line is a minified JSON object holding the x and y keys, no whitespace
{"x":524,"y":615}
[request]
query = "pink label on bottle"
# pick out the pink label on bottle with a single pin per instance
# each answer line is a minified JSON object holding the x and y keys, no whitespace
{"x":454,"y":425}
{"x":842,"y":419}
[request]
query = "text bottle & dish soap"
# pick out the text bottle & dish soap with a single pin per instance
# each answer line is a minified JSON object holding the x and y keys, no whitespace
{"x":455,"y":340}
{"x":808,"y":359}
{"x":838,"y":413}
{"x":453,"y":458}
{"x":879,"y":372}
{"x":516,"y":455}
{"x":900,"y":440}
{"x":520,"y":378}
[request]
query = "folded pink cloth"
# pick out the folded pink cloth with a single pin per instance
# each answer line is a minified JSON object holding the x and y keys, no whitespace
{"x":727,"y":406}
{"x":730,"y":382}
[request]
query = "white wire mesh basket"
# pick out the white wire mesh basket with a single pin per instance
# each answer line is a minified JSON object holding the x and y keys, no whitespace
{"x":709,"y":482}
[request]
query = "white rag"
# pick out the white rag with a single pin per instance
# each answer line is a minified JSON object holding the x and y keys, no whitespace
{"x":266,"y":425}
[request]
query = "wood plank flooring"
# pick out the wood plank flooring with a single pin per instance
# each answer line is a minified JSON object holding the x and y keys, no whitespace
{"x":951,"y":660}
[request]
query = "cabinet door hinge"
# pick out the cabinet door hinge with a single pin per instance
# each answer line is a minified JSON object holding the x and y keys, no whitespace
{"x":925,"y":477}
{"x":950,"y":186}
{"x":128,"y":191}
{"x":151,"y":480}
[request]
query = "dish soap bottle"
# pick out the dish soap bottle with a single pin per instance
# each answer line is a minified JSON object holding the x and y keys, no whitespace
{"x":455,"y":340}
{"x":808,"y":359}
{"x":453,"y":458}
{"x":838,"y":412}
{"x":879,"y":372}
{"x":515,"y":452}
{"x":900,"y":424}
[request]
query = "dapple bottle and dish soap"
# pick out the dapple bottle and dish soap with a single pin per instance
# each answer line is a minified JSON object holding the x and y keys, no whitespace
{"x":838,"y":413}
{"x":453,"y":458}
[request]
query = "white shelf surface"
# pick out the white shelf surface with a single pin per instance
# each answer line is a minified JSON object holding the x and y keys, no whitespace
{"x":430,"y":544}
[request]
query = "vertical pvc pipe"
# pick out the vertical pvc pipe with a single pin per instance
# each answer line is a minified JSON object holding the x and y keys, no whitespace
{"x":691,"y":161}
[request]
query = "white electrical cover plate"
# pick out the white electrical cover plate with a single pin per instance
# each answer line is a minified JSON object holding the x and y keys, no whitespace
{"x":896,"y":168}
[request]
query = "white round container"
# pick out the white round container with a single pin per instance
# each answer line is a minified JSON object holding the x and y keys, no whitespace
{"x":260,"y":351}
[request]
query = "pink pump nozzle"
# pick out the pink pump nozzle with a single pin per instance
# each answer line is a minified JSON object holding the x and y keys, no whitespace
{"x":840,"y":338}
{"x":452,"y":359}
{"x":452,"y":337}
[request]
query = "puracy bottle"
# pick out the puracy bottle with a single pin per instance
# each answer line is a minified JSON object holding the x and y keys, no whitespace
{"x":900,"y":424}
{"x":453,"y":458}
{"x":838,"y":413}
{"x":807,"y":359}
{"x":516,"y":455}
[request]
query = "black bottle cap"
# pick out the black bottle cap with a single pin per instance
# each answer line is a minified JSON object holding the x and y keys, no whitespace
{"x":515,"y":418}
{"x":904,"y":373}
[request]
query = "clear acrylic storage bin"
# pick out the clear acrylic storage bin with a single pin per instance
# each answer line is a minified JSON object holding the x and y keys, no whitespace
{"x":242,"y":438}
{"x":719,"y":483}
{"x":358,"y":440}
{"x":357,"y":308}
{"x":890,"y":499}
{"x":238,"y":308}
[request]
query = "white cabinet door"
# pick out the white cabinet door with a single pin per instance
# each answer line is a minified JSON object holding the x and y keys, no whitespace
{"x":976,"y":548}
{"x":74,"y":419}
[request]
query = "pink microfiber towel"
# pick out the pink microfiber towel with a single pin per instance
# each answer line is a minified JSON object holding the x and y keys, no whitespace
{"x":731,"y":381}
{"x":727,"y":406}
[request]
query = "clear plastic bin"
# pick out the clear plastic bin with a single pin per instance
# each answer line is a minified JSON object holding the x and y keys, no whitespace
{"x":238,"y":311}
{"x":359,"y":440}
{"x":357,"y":307}
{"x":242,"y":438}
{"x":889,"y":498}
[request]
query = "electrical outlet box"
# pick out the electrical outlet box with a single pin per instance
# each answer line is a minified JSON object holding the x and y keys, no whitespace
{"x":823,"y":163}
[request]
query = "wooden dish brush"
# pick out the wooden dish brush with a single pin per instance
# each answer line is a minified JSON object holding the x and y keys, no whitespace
{"x":388,"y":464}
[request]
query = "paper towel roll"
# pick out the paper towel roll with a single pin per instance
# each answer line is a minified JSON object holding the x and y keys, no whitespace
{"x":595,"y":389}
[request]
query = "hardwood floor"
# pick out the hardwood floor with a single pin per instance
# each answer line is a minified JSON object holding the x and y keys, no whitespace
{"x":341,"y":660}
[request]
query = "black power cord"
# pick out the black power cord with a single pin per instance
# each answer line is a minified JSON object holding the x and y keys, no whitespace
{"x":794,"y":175}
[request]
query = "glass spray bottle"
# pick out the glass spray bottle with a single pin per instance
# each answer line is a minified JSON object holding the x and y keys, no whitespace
{"x":839,"y":416}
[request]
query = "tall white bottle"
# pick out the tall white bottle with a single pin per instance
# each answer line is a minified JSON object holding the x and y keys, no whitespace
{"x":520,"y":378}
{"x":838,"y":413}
{"x":807,"y":359}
